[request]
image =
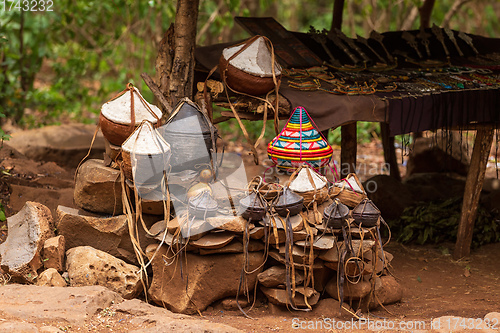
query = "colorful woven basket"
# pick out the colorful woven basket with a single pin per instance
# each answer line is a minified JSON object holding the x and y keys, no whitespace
{"x":299,"y":143}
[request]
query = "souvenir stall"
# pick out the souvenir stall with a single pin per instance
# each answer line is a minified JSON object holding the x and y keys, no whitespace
{"x":412,"y":81}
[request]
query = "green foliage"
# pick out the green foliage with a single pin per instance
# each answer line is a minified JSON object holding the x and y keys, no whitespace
{"x":366,"y":131}
{"x":437,"y":222}
{"x":2,"y":213}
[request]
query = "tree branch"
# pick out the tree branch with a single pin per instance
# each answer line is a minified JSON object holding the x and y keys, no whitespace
{"x":454,"y":9}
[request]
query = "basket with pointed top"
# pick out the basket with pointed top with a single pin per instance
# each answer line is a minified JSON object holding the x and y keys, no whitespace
{"x":299,"y":143}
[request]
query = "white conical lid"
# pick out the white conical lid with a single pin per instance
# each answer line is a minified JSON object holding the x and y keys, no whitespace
{"x":256,"y":59}
{"x":118,"y":110}
{"x":146,"y":140}
{"x":302,"y":182}
{"x":353,"y":185}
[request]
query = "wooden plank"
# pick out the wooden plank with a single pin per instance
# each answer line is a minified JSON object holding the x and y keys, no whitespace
{"x":473,"y":187}
{"x":348,"y":151}
{"x":389,"y":151}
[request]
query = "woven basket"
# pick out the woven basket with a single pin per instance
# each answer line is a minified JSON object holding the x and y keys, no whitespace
{"x":117,"y":132}
{"x":245,"y":82}
{"x":113,"y":151}
{"x":150,"y":164}
{"x":346,"y":195}
{"x":319,"y":195}
{"x":299,"y":143}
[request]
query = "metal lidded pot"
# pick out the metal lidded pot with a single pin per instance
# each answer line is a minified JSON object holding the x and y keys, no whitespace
{"x":288,"y":201}
{"x":335,"y":215}
{"x":192,"y":138}
{"x":253,"y":207}
{"x":366,"y":214}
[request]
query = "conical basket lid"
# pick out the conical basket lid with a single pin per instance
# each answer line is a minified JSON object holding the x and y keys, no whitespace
{"x":288,"y":198}
{"x":252,"y":201}
{"x":203,"y":201}
{"x":299,"y":142}
{"x":256,"y":59}
{"x":146,"y":140}
{"x":302,"y":183}
{"x":338,"y":209}
{"x":366,"y":207}
{"x":187,"y":118}
{"x":350,"y":183}
{"x":118,"y":110}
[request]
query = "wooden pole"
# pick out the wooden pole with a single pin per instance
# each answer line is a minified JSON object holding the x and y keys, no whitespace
{"x":389,"y":151}
{"x":348,"y":133}
{"x":425,"y":13}
{"x":473,"y":187}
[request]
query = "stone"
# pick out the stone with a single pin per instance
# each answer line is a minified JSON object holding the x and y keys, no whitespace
{"x":235,"y":247}
{"x":27,"y":232}
{"x":229,"y":223}
{"x":108,"y":234}
{"x":493,"y":317}
{"x":230,"y":304}
{"x":98,"y":189}
{"x":302,"y":234}
{"x":213,"y":240}
{"x":51,"y":278}
{"x":87,"y":266}
{"x":17,"y":327}
{"x":64,"y":144}
{"x":441,"y":153}
{"x":330,"y":308}
{"x":210,"y":278}
{"x":81,"y":228}
{"x":389,"y":195}
{"x":351,"y":291}
{"x":276,"y":275}
{"x":257,"y":233}
{"x":299,"y":254}
{"x":53,"y":304}
{"x":387,"y":291}
{"x":274,"y":254}
{"x":46,"y":196}
{"x":434,"y":186}
{"x":321,"y":277}
{"x":279,"y":296}
{"x":326,"y":242}
{"x":53,"y":253}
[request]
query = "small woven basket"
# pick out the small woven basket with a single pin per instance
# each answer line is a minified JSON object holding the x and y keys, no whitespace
{"x":346,"y":195}
{"x":318,"y":195}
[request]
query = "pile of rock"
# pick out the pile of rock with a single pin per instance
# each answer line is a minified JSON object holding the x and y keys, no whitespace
{"x":200,"y":261}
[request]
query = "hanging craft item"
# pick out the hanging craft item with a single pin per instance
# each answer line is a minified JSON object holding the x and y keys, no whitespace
{"x":249,"y":66}
{"x":268,"y":191}
{"x":299,"y":143}
{"x":253,"y":207}
{"x":310,"y":185}
{"x":193,"y":139}
{"x":366,"y":214}
{"x":288,"y":203}
{"x":203,"y":205}
{"x":121,"y":115}
{"x":335,"y":215}
{"x":349,"y":190}
{"x":145,"y":155}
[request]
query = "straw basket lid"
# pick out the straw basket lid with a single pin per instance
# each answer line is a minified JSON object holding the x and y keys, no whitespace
{"x":146,"y":140}
{"x":119,"y":109}
{"x":256,"y":59}
{"x":302,"y":183}
{"x":350,"y":183}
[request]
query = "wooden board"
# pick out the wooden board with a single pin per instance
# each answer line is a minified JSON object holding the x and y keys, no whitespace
{"x":289,"y":49}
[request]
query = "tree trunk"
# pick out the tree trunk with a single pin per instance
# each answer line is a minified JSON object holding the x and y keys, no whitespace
{"x":182,"y":75}
{"x":175,"y":61}
{"x":425,"y":13}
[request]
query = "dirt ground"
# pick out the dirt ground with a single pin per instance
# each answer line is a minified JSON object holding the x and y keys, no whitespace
{"x":434,"y":284}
